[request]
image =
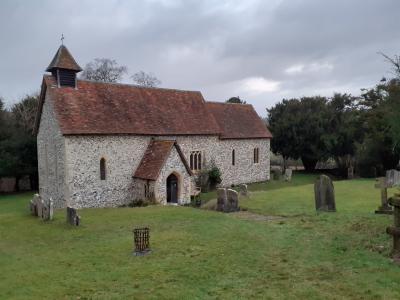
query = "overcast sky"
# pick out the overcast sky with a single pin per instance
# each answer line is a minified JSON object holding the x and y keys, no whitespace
{"x":262,"y":51}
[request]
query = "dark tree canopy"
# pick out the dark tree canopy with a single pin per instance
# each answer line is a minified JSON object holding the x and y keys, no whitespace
{"x":298,"y":127}
{"x":235,"y":100}
{"x":104,"y":69}
{"x":18,"y":153}
{"x":145,"y":79}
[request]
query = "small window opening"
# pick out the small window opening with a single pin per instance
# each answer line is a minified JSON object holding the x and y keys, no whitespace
{"x":102,"y":169}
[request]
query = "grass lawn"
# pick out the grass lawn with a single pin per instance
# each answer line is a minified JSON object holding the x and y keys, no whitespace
{"x":204,"y":254}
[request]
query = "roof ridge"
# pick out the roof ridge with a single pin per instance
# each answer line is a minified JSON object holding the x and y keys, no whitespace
{"x":228,"y":103}
{"x":137,"y":86}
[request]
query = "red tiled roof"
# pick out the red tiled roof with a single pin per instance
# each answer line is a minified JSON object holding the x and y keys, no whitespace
{"x":106,"y":108}
{"x":238,"y":121}
{"x":63,"y":60}
{"x":154,"y":159}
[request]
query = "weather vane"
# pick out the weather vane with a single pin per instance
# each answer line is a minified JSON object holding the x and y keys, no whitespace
{"x":62,"y":38}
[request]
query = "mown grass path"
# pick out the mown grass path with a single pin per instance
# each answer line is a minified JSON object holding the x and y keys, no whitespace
{"x":199,"y":254}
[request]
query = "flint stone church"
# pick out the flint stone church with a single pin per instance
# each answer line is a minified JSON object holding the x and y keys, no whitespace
{"x":107,"y":144}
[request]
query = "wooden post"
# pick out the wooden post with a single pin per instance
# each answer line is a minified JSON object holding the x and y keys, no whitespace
{"x":385,"y":207}
{"x":395,"y":230}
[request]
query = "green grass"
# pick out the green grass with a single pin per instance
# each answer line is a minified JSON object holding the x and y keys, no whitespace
{"x":200,"y":254}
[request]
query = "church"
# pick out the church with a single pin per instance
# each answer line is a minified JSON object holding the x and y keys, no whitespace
{"x":106,"y":144}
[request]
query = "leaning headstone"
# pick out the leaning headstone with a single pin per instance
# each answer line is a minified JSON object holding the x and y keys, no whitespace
{"x":243,"y":190}
{"x":221,"y":199}
{"x":288,"y":175}
{"x":324,"y":194}
{"x":395,"y":230}
{"x":384,"y":208}
{"x":232,"y":203}
{"x":72,"y":216}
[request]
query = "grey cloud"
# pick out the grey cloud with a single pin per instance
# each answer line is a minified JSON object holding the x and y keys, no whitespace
{"x":212,"y":46}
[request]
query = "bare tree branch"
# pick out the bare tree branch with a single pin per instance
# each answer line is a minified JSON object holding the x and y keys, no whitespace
{"x":104,"y":69}
{"x":145,"y":79}
{"x":394,"y":61}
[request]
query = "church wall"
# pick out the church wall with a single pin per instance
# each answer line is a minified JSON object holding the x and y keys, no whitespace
{"x":174,"y":165}
{"x":51,"y":155}
{"x":220,"y":152}
{"x":122,"y":155}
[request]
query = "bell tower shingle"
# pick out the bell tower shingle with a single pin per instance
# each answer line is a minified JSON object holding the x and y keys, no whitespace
{"x":64,"y":68}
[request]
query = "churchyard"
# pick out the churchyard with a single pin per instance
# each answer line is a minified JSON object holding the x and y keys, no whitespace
{"x":293,"y":252}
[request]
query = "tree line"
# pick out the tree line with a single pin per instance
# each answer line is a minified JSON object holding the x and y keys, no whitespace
{"x":360,"y":132}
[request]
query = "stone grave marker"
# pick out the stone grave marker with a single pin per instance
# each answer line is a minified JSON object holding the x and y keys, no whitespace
{"x":392,"y":178}
{"x":395,"y":230}
{"x":232,"y":203}
{"x":33,"y":205}
{"x":243,"y":190}
{"x":72,"y":216}
{"x":350,"y":172}
{"x":221,"y":200}
{"x":39,"y":206}
{"x":384,"y":208}
{"x":288,"y":175}
{"x":48,"y":210}
{"x":324,"y":194}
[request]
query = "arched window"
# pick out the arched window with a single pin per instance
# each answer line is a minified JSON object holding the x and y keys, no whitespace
{"x":233,"y":157}
{"x":102,"y":169}
{"x":195,"y":160}
{"x":256,"y":155}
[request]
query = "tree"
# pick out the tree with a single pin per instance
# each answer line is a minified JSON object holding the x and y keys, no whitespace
{"x":145,"y":79}
{"x":394,"y":62}
{"x":104,"y":69}
{"x":25,"y":112}
{"x":344,"y":130}
{"x":378,"y":150}
{"x":235,"y":100}
{"x":18,"y":152}
{"x":298,"y":127}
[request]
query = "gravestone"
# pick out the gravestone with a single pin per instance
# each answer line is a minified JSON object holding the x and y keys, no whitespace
{"x":395,"y":230}
{"x":39,"y":207}
{"x":324,"y":194}
{"x":288,"y":175}
{"x":228,"y":200}
{"x":243,"y":190}
{"x":392,"y":178}
{"x":33,"y":205}
{"x":72,"y":216}
{"x":48,"y":210}
{"x":384,"y":208}
{"x":232,"y":203}
{"x":350,"y":172}
{"x":221,"y":200}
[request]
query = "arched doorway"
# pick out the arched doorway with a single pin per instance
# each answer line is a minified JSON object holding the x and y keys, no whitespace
{"x":172,"y":189}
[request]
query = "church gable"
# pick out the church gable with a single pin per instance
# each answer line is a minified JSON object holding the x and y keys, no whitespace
{"x":155,"y":158}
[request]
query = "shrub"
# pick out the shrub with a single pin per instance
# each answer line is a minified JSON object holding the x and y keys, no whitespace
{"x":214,"y":176}
{"x":140,"y":203}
